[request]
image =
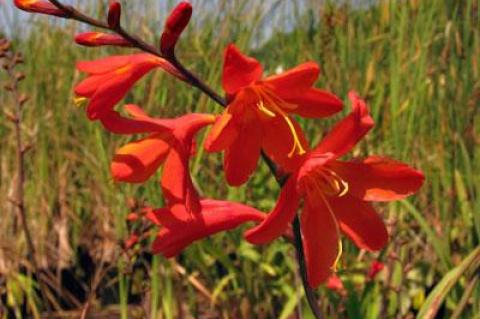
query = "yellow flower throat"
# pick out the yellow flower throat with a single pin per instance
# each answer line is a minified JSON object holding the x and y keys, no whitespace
{"x":325,"y":182}
{"x":271,"y":105}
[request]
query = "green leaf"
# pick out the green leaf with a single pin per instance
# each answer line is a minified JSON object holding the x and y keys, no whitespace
{"x":438,"y":294}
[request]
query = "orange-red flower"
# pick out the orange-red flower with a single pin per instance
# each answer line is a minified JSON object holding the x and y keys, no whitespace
{"x":186,"y":218}
{"x":39,"y":6}
{"x":179,"y":228}
{"x":169,"y":143}
{"x":112,"y":77}
{"x":258,"y":115}
{"x":336,"y":196}
{"x":95,"y":39}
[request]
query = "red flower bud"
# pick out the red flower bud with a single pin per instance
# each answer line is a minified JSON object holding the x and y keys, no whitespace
{"x":95,"y":39}
{"x":375,"y":268}
{"x":114,"y":14}
{"x":131,"y":241}
{"x":176,"y":23}
{"x":334,"y":283}
{"x":39,"y":6}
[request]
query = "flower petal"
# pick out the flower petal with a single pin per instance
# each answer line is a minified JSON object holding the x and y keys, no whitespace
{"x":320,"y":241}
{"x":176,"y":181}
{"x":90,"y":85}
{"x":278,"y":142}
{"x":115,"y":123}
{"x":104,"y":65}
{"x":241,"y":157}
{"x":216,"y":216}
{"x":239,"y":70}
{"x":315,"y":103}
{"x":222,"y":134}
{"x":137,"y":161}
{"x":348,"y":131}
{"x":359,"y":221}
{"x":379,"y":179}
{"x":111,"y":92}
{"x":294,"y":81}
{"x":277,"y":222}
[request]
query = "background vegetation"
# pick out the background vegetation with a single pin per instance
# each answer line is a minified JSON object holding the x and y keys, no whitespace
{"x":417,"y":64}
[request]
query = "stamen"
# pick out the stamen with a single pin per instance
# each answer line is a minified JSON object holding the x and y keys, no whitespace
{"x":334,"y":185}
{"x":337,"y":228}
{"x":262,"y":108}
{"x":270,"y":104}
{"x":79,"y":101}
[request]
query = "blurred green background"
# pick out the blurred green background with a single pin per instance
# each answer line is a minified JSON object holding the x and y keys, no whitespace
{"x":417,"y":64}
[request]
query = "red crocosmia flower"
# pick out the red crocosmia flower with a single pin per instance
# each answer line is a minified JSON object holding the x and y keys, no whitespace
{"x":39,"y":6}
{"x":169,"y":142}
{"x":112,"y":77}
{"x":95,"y":39}
{"x":336,"y":196}
{"x":179,"y":228}
{"x":259,"y":111}
{"x":375,"y":268}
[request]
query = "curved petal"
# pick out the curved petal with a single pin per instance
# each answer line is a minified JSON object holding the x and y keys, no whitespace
{"x":278,"y":142}
{"x":348,"y":131}
{"x":379,"y":179}
{"x":277,"y":222}
{"x":137,"y":161}
{"x":108,"y":95}
{"x":187,"y":126}
{"x":115,"y":123}
{"x":216,"y":216}
{"x":241,"y":157}
{"x":315,"y":103}
{"x":111,"y":92}
{"x":90,"y":85}
{"x":104,"y":65}
{"x":359,"y":221}
{"x":320,"y":241}
{"x":222,"y":134}
{"x":295,"y":80}
{"x":239,"y":70}
{"x":176,"y":181}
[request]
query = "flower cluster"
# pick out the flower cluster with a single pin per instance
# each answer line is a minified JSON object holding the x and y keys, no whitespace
{"x":334,"y":195}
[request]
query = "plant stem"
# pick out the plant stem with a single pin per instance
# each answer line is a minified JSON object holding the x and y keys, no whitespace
{"x":19,"y":200}
{"x":309,"y":292}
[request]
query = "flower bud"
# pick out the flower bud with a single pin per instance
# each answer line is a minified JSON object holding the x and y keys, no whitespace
{"x":114,"y":14}
{"x":95,"y":39}
{"x":176,"y":23}
{"x":375,"y":268}
{"x":39,"y":6}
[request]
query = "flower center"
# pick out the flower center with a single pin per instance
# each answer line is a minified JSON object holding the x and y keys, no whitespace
{"x":272,"y":105}
{"x":326,"y":181}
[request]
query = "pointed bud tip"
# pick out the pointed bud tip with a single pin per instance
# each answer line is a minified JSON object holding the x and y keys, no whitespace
{"x":114,"y":14}
{"x":176,"y":22}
